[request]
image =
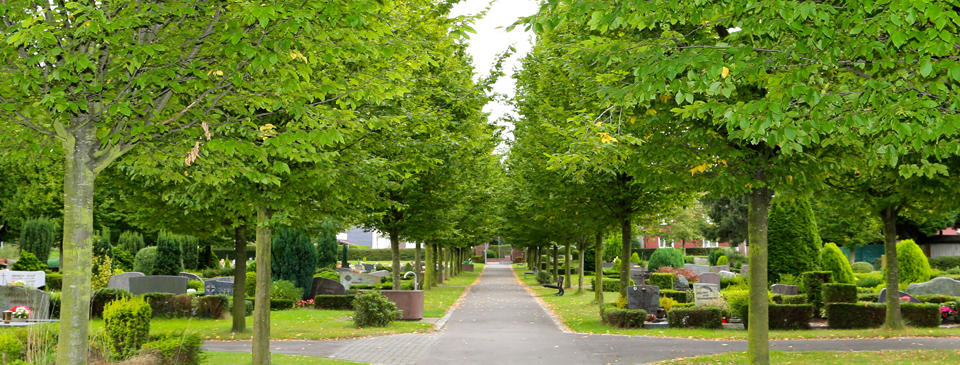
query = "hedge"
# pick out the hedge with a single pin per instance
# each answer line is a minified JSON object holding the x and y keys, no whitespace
{"x":703,"y":317}
{"x":338,"y":302}
{"x":54,"y":281}
{"x":789,"y":299}
{"x":662,"y":280}
{"x":855,"y":315}
{"x":861,"y":267}
{"x":167,"y":305}
{"x":936,"y":298}
{"x":813,"y":286}
{"x":281,"y":304}
{"x":609,"y":284}
{"x":790,"y":316}
{"x":622,"y":317}
{"x":839,"y":293}
{"x":868,"y":297}
{"x":679,"y":296}
{"x":101,"y":297}
{"x":945,"y":262}
{"x":212,"y":306}
{"x":921,"y":314}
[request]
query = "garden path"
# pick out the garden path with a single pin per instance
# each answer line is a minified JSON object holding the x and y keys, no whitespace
{"x":500,"y":322}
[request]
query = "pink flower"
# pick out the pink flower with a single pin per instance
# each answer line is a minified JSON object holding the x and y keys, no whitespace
{"x":905,"y":298}
{"x":946,"y":312}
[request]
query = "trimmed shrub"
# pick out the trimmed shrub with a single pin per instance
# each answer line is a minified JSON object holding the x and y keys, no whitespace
{"x":609,"y":284}
{"x":839,"y":293}
{"x":54,"y":281}
{"x":183,"y":305}
{"x":293,"y":258}
{"x":722,"y":260}
{"x":936,"y":298}
{"x":679,"y":296}
{"x":176,"y":348}
{"x":635,"y":258}
{"x":250,"y":284}
{"x":794,"y":241}
{"x":208,"y":259}
{"x":11,"y":347}
{"x":101,"y":243}
{"x":55,"y":304}
{"x":912,"y":264}
{"x":161,"y":304}
{"x":833,"y":260}
{"x":189,"y":245}
{"x":703,"y":317}
{"x":790,"y":316}
{"x":662,"y":280}
{"x":145,"y":260}
{"x":921,"y":314}
{"x":102,"y":297}
{"x":28,"y":262}
{"x":714,"y":257}
{"x":195,"y":285}
{"x":281,"y":304}
{"x":338,"y":302}
{"x":372,"y":309}
{"x":212,"y":306}
{"x":284,"y":289}
{"x":665,"y":257}
{"x":327,"y":273}
{"x":169,"y":255}
{"x":738,"y":300}
{"x":861,"y":267}
{"x":327,"y":250}
{"x":813,"y":286}
{"x":127,"y":323}
{"x":122,"y":259}
{"x":868,"y":280}
{"x":38,"y":236}
{"x":794,"y":299}
{"x":131,"y":242}
{"x":867,"y":297}
{"x":945,"y":262}
{"x":623,"y":318}
{"x":734,"y":282}
{"x":688,"y":259}
{"x":855,"y":315}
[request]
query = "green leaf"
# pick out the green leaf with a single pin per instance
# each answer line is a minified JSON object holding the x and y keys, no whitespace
{"x":955,"y":72}
{"x":926,"y":67}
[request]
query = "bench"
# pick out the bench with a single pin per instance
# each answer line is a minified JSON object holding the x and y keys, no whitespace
{"x":534,"y":273}
{"x":559,"y":286}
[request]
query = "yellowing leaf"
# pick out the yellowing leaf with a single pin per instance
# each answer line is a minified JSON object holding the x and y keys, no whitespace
{"x":725,"y":72}
{"x":699,"y":169}
{"x":606,"y":138}
{"x":664,"y":98}
{"x":296,"y":55}
{"x":651,"y":111}
{"x":598,"y":124}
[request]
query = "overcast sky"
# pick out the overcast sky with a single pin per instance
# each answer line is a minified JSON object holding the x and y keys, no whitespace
{"x":492,"y":39}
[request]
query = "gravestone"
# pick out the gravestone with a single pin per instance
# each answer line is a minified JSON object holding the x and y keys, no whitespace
{"x":785,"y":289}
{"x":719,"y":268}
{"x":710,"y":278}
{"x":381,"y":274}
{"x":646,"y":298}
{"x":703,"y":293}
{"x":158,"y":284}
{"x":699,"y":269}
{"x":744,"y":269}
{"x":352,"y":278}
{"x":883,"y":296}
{"x":638,"y":276}
{"x":368,"y":267}
{"x":701,"y":261}
{"x":681,"y":283}
{"x":607,"y":265}
{"x":217,"y":286}
{"x":324,"y":286}
{"x":191,"y":276}
{"x":940,"y":285}
{"x":33,"y":279}
{"x":727,"y":274}
{"x":122,"y":281}
{"x":37,"y":300}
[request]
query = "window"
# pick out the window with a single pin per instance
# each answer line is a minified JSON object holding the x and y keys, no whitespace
{"x":709,"y":243}
{"x":662,"y":243}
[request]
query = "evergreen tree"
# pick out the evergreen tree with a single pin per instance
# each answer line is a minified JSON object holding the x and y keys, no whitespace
{"x":131,"y":242}
{"x":793,"y":237}
{"x":293,"y":257}
{"x":169,"y":256}
{"x":327,"y":250}
{"x":101,"y":244}
{"x":38,"y":236}
{"x":833,"y":260}
{"x":189,"y":248}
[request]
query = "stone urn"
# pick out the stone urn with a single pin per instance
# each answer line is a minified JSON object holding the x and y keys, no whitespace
{"x":409,"y":302}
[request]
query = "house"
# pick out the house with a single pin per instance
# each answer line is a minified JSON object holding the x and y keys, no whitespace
{"x":370,"y":238}
{"x":945,"y":243}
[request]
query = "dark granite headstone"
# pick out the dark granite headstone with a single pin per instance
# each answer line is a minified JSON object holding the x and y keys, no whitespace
{"x":883,"y":296}
{"x":324,"y":286}
{"x":785,"y":289}
{"x":158,"y":284}
{"x":646,"y":298}
{"x":37,"y":300}
{"x":191,"y":276}
{"x":122,"y":281}
{"x":681,"y":283}
{"x":710,"y":278}
{"x":217,"y":286}
{"x":638,"y":275}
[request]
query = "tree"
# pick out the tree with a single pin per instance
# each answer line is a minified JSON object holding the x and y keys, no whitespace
{"x":729,"y":217}
{"x":131,"y":241}
{"x":327,"y":250}
{"x":794,"y":239}
{"x":169,"y":255}
{"x":846,"y":221}
{"x":832,"y":259}
{"x":190,"y":247}
{"x":294,"y":258}
{"x":37,"y":237}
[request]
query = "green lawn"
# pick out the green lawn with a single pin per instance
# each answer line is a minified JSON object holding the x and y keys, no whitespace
{"x":277,"y":359}
{"x":844,"y":358}
{"x":580,"y":314}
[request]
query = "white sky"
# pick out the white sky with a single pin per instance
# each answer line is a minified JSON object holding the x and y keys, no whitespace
{"x":492,"y":39}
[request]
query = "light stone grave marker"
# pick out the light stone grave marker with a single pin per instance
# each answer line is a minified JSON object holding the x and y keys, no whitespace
{"x":703,"y":293}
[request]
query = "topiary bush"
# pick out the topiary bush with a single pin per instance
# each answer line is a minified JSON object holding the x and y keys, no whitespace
{"x":794,"y":241}
{"x":855,"y":315}
{"x":714,"y":256}
{"x":176,"y":348}
{"x":102,"y":297}
{"x":286,"y":290}
{"x":833,"y":260}
{"x":145,"y":260}
{"x":790,"y":316}
{"x":861,"y":267}
{"x":250,"y":284}
{"x":189,"y":245}
{"x":812,"y":284}
{"x":127,"y":324}
{"x":912,"y":264}
{"x":169,"y":255}
{"x":28,"y":262}
{"x":671,"y":257}
{"x":794,"y":299}
{"x":839,"y":293}
{"x":339,"y":302}
{"x":544,"y":277}
{"x":722,"y":260}
{"x":662,"y":280}
{"x":679,"y":296}
{"x":131,"y":242}
{"x":945,"y":262}
{"x":372,"y":309}
{"x":293,"y":258}
{"x":921,"y":314}
{"x":622,"y":317}
{"x":702,"y":317}
{"x":38,"y":236}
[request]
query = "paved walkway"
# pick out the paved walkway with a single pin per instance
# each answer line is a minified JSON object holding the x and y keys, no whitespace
{"x":499,"y":322}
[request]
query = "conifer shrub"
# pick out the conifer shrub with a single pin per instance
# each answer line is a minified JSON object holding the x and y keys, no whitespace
{"x":671,"y":257}
{"x":861,"y":267}
{"x":131,"y":242}
{"x":169,"y":255}
{"x":145,"y":260}
{"x":293,"y":258}
{"x":794,"y":241}
{"x":38,"y":236}
{"x":722,"y":260}
{"x":127,"y":323}
{"x":912,"y":264}
{"x":327,"y":250}
{"x":372,"y":309}
{"x":28,"y":262}
{"x":839,"y":293}
{"x":813,"y":286}
{"x":833,"y":260}
{"x":189,"y":246}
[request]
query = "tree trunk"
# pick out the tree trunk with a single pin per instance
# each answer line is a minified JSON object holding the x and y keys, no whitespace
{"x":598,"y":269}
{"x":556,"y":263}
{"x":894,"y":319}
{"x":583,"y":249}
{"x":429,"y":275}
{"x":395,"y":252}
{"x":853,"y":254}
{"x":440,"y":271}
{"x":758,"y":347}
{"x":261,"y":306}
{"x":239,"y":311}
{"x":568,"y":256}
{"x":417,"y":263}
{"x":77,"y":257}
{"x":625,"y":250}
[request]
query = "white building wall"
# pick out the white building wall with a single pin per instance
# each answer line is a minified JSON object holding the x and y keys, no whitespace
{"x":944,"y":249}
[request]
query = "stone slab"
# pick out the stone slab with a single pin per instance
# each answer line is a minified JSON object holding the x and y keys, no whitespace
{"x":353,"y":278}
{"x":646,"y":298}
{"x":785,"y":289}
{"x":709,"y":278}
{"x":939,"y":285}
{"x":324,"y":286}
{"x":409,"y":302}
{"x":158,"y":284}
{"x":699,"y":269}
{"x":219,"y":286}
{"x":638,"y":276}
{"x":191,"y":276}
{"x":719,"y":268}
{"x":381,"y":274}
{"x":703,"y":293}
{"x":37,"y":300}
{"x":33,"y":279}
{"x":701,"y":261}
{"x":883,"y":296}
{"x":727,"y":274}
{"x":744,"y":269}
{"x":122,"y":281}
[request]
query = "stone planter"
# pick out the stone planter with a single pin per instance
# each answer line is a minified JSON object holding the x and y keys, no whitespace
{"x":466,"y":267}
{"x":409,"y":302}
